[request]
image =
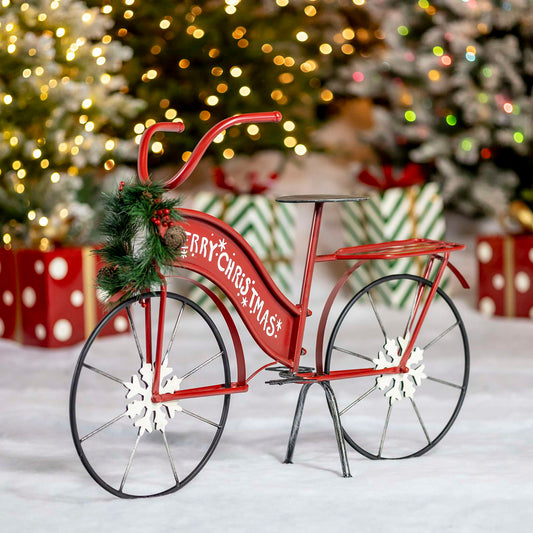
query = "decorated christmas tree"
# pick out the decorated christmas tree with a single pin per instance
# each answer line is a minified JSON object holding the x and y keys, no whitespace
{"x":453,"y":89}
{"x":60,"y":103}
{"x":200,"y":62}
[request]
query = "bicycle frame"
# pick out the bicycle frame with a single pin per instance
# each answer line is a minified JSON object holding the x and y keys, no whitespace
{"x":220,"y":254}
{"x":216,"y":251}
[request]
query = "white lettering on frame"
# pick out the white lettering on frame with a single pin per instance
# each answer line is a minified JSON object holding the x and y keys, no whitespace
{"x":214,"y":251}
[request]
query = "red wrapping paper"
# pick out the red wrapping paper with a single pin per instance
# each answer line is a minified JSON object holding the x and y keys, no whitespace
{"x":505,"y":275}
{"x":411,"y":174}
{"x":254,"y":185}
{"x":49,"y":299}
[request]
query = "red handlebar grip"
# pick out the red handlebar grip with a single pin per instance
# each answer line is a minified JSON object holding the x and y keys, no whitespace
{"x":142,"y":162}
{"x":201,"y":147}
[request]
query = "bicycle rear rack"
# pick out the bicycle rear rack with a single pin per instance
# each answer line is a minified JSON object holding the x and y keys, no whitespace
{"x":397,"y":249}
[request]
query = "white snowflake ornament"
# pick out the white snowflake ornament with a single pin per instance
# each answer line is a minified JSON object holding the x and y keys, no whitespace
{"x":399,"y":386}
{"x":147,"y":415}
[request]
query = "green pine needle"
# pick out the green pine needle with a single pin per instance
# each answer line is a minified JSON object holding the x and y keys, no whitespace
{"x":133,"y":250}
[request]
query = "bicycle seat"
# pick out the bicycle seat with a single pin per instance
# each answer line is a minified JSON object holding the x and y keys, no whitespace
{"x":319,"y":198}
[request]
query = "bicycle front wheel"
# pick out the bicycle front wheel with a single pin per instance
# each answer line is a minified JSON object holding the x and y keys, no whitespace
{"x":395,"y":416}
{"x":130,"y":446}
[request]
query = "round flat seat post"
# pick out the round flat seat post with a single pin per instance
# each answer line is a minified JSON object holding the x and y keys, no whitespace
{"x":319,"y":198}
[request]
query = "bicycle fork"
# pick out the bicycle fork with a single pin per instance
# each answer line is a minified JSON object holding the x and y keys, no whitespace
{"x":402,"y":367}
{"x":156,"y":364}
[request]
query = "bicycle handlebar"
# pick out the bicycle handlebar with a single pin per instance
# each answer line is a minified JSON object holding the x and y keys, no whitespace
{"x":187,"y":169}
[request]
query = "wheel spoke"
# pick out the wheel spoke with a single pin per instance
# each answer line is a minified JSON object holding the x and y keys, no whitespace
{"x":201,"y":365}
{"x":135,"y":336}
{"x":170,"y":458}
{"x":174,"y":330}
{"x":97,"y":427}
{"x":126,"y":472}
{"x":198,"y":417}
{"x":420,"y":420}
{"x":102,"y":373}
{"x":439,"y":337}
{"x":349,"y":352}
{"x":362,"y":397}
{"x":384,"y":430}
{"x":444,"y":382}
{"x":377,"y":315}
{"x":103,"y":426}
{"x":428,"y":423}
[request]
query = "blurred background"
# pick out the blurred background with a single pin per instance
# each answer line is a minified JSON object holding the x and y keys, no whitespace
{"x":424,"y":106}
{"x":427,"y":105}
{"x":444,"y":84}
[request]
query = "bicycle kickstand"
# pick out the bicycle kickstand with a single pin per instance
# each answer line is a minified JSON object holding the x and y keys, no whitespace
{"x":334,"y":411}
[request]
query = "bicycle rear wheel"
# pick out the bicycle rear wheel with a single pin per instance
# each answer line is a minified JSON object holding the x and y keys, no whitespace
{"x":401,"y":415}
{"x":130,"y":446}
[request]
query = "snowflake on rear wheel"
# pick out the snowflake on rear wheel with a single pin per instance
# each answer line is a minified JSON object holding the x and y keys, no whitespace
{"x":399,"y":386}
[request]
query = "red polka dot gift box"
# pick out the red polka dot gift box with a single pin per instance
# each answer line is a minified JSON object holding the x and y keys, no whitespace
{"x":505,"y":275}
{"x":49,"y":298}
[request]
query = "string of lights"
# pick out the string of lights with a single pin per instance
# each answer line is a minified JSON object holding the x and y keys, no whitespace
{"x":59,"y":98}
{"x":453,"y":90}
{"x":201,"y":62}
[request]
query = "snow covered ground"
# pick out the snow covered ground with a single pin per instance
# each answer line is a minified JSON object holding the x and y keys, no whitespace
{"x":479,"y":478}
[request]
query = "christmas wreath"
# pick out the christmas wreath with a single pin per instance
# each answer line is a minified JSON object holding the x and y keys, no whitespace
{"x":141,"y":237}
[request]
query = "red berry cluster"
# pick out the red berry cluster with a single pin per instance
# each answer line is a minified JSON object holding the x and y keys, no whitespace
{"x":162,"y":218}
{"x":121,"y":186}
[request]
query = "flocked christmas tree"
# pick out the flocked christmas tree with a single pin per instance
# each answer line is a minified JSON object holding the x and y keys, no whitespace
{"x":453,"y":90}
{"x":60,"y":102}
{"x":201,"y":62}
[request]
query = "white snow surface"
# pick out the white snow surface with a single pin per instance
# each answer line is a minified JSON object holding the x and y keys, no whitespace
{"x":478,"y":478}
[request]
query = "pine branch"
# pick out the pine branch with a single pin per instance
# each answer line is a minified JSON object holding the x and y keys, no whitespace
{"x":135,"y":218}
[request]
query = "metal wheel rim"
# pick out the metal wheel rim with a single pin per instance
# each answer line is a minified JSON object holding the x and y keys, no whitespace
{"x":74,"y":389}
{"x":464,"y":338}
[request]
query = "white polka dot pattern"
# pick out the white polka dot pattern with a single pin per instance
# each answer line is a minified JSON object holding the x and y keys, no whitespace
{"x":62,"y":330}
{"x":38,"y":266}
{"x":8,"y":298}
{"x":498,"y":282}
{"x":487,"y":306}
{"x":484,"y":252}
{"x":76,"y":298}
{"x":58,"y":268}
{"x":29,"y":297}
{"x":40,"y":332}
{"x":522,"y":282}
{"x":121,"y":324}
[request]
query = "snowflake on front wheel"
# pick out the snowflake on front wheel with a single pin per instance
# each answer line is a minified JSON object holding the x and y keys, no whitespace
{"x":147,"y":415}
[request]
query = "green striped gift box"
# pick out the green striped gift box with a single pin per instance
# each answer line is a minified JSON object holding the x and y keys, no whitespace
{"x":394,"y":214}
{"x":268,"y":226}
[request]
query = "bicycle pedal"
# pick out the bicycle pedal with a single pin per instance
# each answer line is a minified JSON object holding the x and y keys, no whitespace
{"x":285,"y":381}
{"x":289,"y":377}
{"x":280,"y":368}
{"x":305,"y":369}
{"x":301,"y":369}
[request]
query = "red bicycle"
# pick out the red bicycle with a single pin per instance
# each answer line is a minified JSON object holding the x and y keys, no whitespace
{"x":148,"y":408}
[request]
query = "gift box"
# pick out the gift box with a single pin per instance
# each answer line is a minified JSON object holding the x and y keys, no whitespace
{"x":398,"y":208}
{"x":505,"y":265}
{"x":48,"y":299}
{"x":268,"y":226}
